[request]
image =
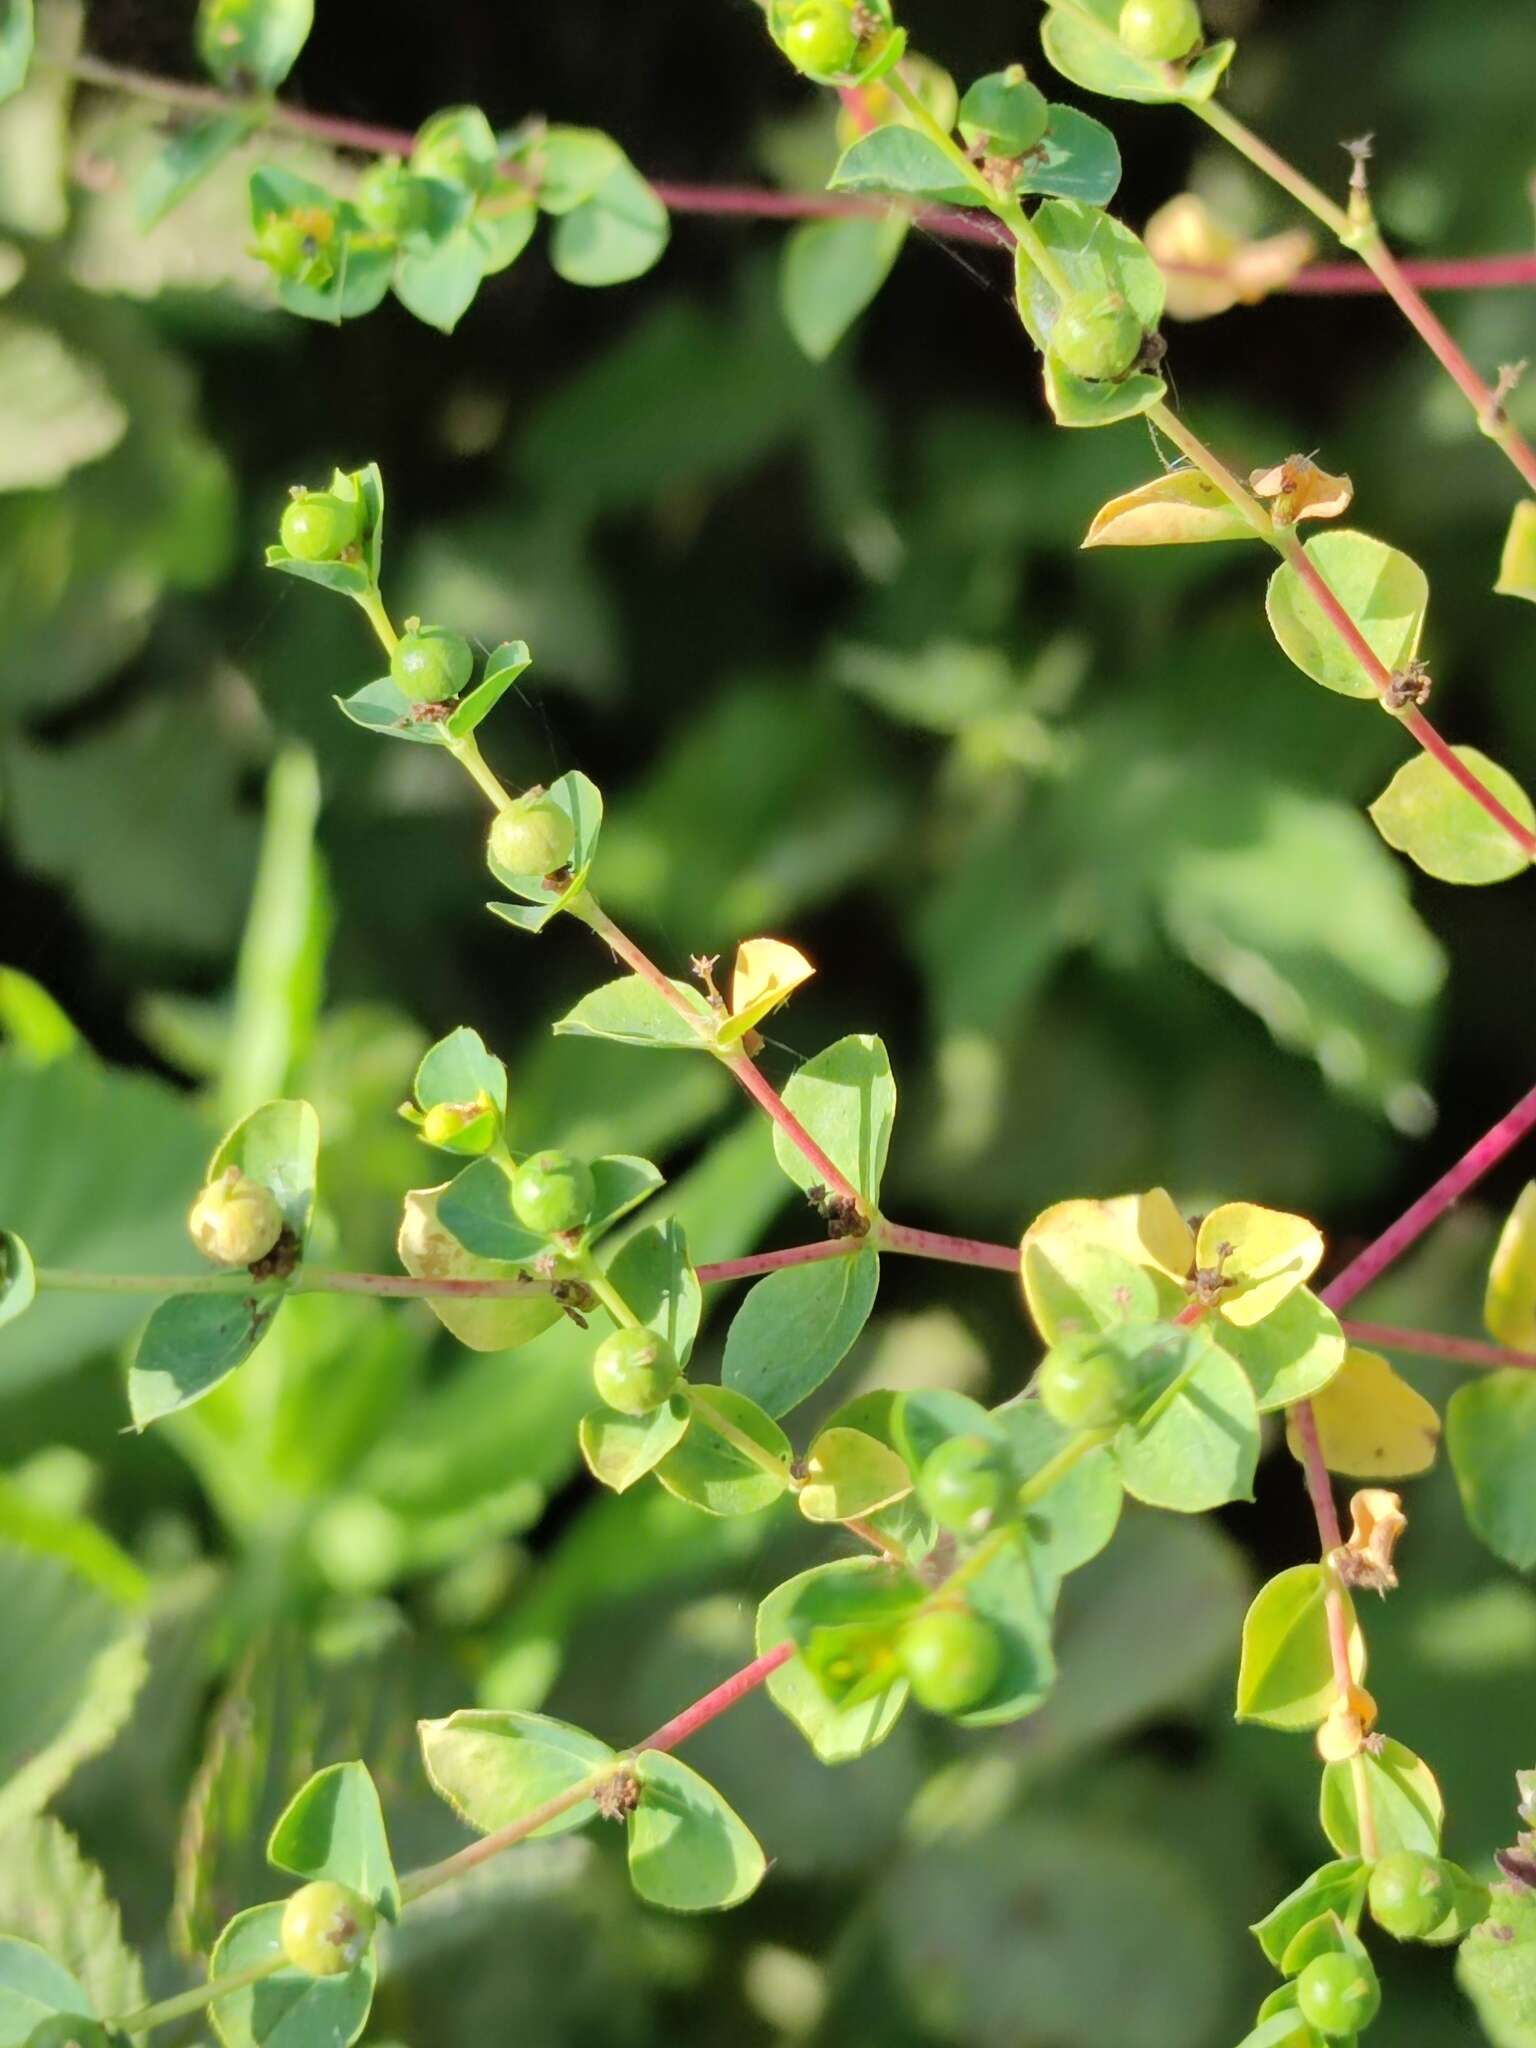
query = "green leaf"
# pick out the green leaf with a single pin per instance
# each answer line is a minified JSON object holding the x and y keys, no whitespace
{"x":253,"y":44}
{"x":848,"y":1473}
{"x":457,"y":1068}
{"x":1496,"y":1968}
{"x":654,"y":1274}
{"x":1197,"y":1443}
{"x":1490,"y":1433}
{"x":616,"y":235}
{"x":632,"y":1012}
{"x":503,"y":666}
{"x":1076,"y":158}
{"x":476,"y":1208}
{"x":278,"y":1145}
{"x":1075,"y":1520}
{"x":57,"y":410}
{"x":582,"y":802}
{"x":1289,"y":1356}
{"x":1517,"y":564}
{"x":438,"y":283}
{"x":1075,"y":1284}
{"x":1095,"y":253}
{"x":1008,"y":1593}
{"x":688,"y":1851}
{"x":1335,"y":1888}
{"x":66,"y":1698}
{"x":900,"y":160}
{"x":184,"y":162}
{"x":334,"y":1827}
{"x":856,"y":1590}
{"x":495,"y":1767}
{"x":1286,"y":1675}
{"x":381,"y":706}
{"x":18,"y":1278}
{"x":1405,"y":1802}
{"x":16,"y":37}
{"x":830,"y":270}
{"x":571,"y":165}
{"x":1083,"y":44}
{"x":619,"y":1449}
{"x":430,"y":1251}
{"x":1385,"y":592}
{"x":1076,"y":402}
{"x":846,"y":1098}
{"x":920,"y":1422}
{"x":33,"y":1987}
{"x":289,"y":2008}
{"x":711,"y":1473}
{"x":190,"y":1343}
{"x":622,"y":1184}
{"x":1425,"y":813}
{"x":796,"y":1326}
{"x":50,"y":1894}
{"x":502,"y":224}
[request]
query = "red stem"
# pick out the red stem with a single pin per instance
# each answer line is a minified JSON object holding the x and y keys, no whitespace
{"x":1431,"y":1206}
{"x":713,"y":1704}
{"x":955,"y":1251}
{"x":767,"y":1098}
{"x":1432,"y":743}
{"x":776,"y":1262}
{"x":1455,"y":274}
{"x":1430,"y":1344}
{"x":1319,"y":1485}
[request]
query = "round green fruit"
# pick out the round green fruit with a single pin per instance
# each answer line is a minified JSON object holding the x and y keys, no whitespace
{"x":634,"y":1371}
{"x":952,"y":1659}
{"x":961,"y":1483}
{"x":1096,"y":336}
{"x":326,"y":1929}
{"x":431,"y":664}
{"x":1159,"y":31}
{"x":534,"y":838}
{"x":551,"y":1192}
{"x":1083,"y":1387}
{"x":821,"y":39}
{"x":467,"y":1128}
{"x":68,"y":2030}
{"x":1339,"y":1995}
{"x":316,"y":526}
{"x":235,"y":1220}
{"x":1410,"y":1894}
{"x":392,"y":201}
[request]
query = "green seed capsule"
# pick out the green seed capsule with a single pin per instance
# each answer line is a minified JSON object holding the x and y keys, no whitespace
{"x":1096,"y":335}
{"x":1410,"y":1894}
{"x":961,"y":1483}
{"x":1339,"y":1995}
{"x":392,"y":201}
{"x":821,"y":39}
{"x":551,"y":1192}
{"x":634,"y":1371}
{"x":952,"y":1659}
{"x":1084,"y":1387}
{"x":326,"y":1929}
{"x":534,"y":838}
{"x":1159,"y":31}
{"x":431,"y":664}
{"x":235,"y":1220}
{"x":316,"y":526}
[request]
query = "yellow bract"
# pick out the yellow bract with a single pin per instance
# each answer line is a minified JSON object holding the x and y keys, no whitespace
{"x":1370,"y":1423}
{"x":1349,"y":1721}
{"x":1299,"y":489}
{"x":1509,"y":1307}
{"x":1262,"y":1254}
{"x":1377,"y":1520}
{"x":1141,"y":1230}
{"x":1209,"y":269}
{"x":766,"y":973}
{"x":1175,"y":510}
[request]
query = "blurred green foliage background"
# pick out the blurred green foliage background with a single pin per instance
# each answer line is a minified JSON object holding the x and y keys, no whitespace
{"x":1067,"y":830}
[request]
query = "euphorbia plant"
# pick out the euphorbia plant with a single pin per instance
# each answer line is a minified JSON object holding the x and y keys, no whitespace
{"x":1165,"y":1338}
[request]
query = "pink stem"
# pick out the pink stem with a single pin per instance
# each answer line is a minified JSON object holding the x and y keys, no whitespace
{"x":1430,"y":1344}
{"x":777,"y":1262}
{"x":1430,"y":1207}
{"x":767,"y":1098}
{"x":1457,"y":274}
{"x":955,"y":1251}
{"x":713,"y":1704}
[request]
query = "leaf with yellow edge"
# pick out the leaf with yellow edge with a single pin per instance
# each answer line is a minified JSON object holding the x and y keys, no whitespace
{"x":1262,"y":1254}
{"x":1209,"y":269}
{"x":848,"y":1472}
{"x":1285,"y":1676}
{"x":767,"y":973}
{"x":1174,"y":510}
{"x":1509,"y":1306}
{"x":1370,"y":1423}
{"x":1088,"y":1264}
{"x":1517,"y":564}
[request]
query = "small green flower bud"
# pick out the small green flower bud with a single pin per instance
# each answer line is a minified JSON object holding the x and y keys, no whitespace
{"x":467,"y":1128}
{"x":316,"y":526}
{"x":1338,"y":1994}
{"x":235,"y":1220}
{"x":1096,"y":335}
{"x":392,"y":201}
{"x":534,"y":838}
{"x":326,"y":1929}
{"x":952,"y":1658}
{"x":634,"y":1371}
{"x":1159,"y":31}
{"x":821,"y":39}
{"x":961,"y":1483}
{"x":1410,"y":1894}
{"x":431,"y":664}
{"x":551,"y":1192}
{"x":295,"y":246}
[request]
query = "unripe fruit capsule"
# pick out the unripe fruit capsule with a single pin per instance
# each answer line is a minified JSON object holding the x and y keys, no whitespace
{"x":952,"y":1659}
{"x":634,"y":1371}
{"x":552,"y":1191}
{"x":392,"y":201}
{"x":961,"y":1483}
{"x":431,"y":664}
{"x":1096,"y":335}
{"x":235,"y":1220}
{"x":316,"y":526}
{"x":1085,"y":1386}
{"x":1410,"y":1894}
{"x":821,"y":40}
{"x":534,"y":838}
{"x":326,"y":1929}
{"x":1159,"y":31}
{"x":1339,"y":1995}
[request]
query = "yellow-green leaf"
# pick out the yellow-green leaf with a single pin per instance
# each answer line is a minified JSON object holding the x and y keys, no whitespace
{"x":1370,"y":1423}
{"x":1264,"y":1255}
{"x":1425,"y":813}
{"x":1509,"y":1306}
{"x":1286,"y":1678}
{"x":1383,"y":591}
{"x":1174,"y":510}
{"x":1517,"y":564}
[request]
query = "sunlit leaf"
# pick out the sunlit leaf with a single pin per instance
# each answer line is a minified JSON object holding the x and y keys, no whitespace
{"x":1370,"y":1423}
{"x":1425,"y":813}
{"x":1286,"y":1677}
